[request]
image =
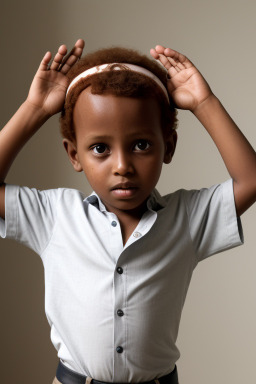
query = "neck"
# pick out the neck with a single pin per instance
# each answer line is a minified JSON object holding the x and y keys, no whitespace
{"x":129,"y":219}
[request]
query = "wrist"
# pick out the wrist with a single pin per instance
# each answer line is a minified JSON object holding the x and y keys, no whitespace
{"x":36,"y":111}
{"x":205,"y":105}
{"x":31,"y":117}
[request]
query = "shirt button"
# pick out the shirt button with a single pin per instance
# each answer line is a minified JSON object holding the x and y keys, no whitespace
{"x":137,"y":234}
{"x":114,"y":223}
{"x":120,"y":312}
{"x":119,"y":349}
{"x":119,"y":270}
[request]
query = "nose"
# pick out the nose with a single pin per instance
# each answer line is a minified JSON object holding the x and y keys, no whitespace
{"x":122,"y":163}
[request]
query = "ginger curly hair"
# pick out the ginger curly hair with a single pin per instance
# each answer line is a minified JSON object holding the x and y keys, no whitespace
{"x":119,"y":83}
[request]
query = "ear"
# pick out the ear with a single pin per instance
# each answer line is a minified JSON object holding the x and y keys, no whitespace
{"x":72,"y":154}
{"x":170,"y":145}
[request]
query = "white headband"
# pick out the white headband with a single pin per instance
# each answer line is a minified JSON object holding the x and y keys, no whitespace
{"x":117,"y":66}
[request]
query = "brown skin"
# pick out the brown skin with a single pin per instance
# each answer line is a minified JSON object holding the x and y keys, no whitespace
{"x":120,"y":140}
{"x":46,"y":97}
{"x":188,"y":90}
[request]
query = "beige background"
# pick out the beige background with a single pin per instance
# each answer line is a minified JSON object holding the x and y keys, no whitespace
{"x":217,"y":336}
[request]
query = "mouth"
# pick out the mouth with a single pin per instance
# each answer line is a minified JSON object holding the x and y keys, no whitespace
{"x":124,"y":186}
{"x":124,"y":190}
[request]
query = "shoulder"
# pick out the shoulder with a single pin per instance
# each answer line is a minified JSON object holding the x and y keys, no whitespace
{"x":30,"y":198}
{"x":204,"y":193}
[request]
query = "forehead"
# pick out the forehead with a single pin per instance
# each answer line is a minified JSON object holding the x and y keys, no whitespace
{"x":107,"y":111}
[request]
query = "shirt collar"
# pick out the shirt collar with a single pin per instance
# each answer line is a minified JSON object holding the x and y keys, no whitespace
{"x":155,"y":201}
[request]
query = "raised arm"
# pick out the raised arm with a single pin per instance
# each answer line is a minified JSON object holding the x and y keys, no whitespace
{"x":46,"y":97}
{"x":189,"y":90}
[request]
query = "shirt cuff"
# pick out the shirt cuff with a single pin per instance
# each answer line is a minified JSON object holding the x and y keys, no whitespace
{"x":8,"y":226}
{"x":233,"y":222}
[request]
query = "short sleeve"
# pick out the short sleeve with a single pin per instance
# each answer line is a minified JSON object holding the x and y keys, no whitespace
{"x":29,"y":216}
{"x":213,"y":223}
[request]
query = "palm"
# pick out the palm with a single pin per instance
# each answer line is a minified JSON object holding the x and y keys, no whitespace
{"x":186,"y":85}
{"x":49,"y":86}
{"x":188,"y":88}
{"x":48,"y":91}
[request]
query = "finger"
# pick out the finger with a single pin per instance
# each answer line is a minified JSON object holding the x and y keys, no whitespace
{"x":58,"y":57}
{"x":45,"y":62}
{"x":80,"y":43}
{"x":175,"y":64}
{"x":178,"y":57}
{"x":164,"y":60}
{"x":154,"y":54}
{"x":160,"y":49}
{"x":72,"y":57}
{"x":171,"y":67}
{"x":70,"y":60}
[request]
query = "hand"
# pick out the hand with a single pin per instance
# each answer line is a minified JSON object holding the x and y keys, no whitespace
{"x":49,"y":85}
{"x":186,"y":85}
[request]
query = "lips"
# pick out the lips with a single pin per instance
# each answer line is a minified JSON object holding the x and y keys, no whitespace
{"x":124,"y":190}
{"x":124,"y":186}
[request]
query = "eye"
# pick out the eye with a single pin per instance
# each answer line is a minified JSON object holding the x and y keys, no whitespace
{"x":142,"y":145}
{"x":99,"y":149}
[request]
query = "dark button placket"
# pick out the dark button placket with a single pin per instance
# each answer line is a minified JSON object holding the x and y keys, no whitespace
{"x":120,"y":291}
{"x":120,"y":322}
{"x":115,"y":236}
{"x":115,"y":252}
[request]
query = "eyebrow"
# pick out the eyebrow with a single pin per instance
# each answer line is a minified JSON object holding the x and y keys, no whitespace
{"x":136,"y":134}
{"x":99,"y":137}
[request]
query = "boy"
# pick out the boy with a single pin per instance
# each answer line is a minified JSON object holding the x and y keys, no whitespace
{"x":118,"y":263}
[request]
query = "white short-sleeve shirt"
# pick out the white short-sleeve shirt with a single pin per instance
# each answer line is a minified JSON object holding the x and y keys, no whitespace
{"x":114,"y":310}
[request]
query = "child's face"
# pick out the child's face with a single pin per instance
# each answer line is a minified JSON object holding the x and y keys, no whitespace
{"x":120,"y":147}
